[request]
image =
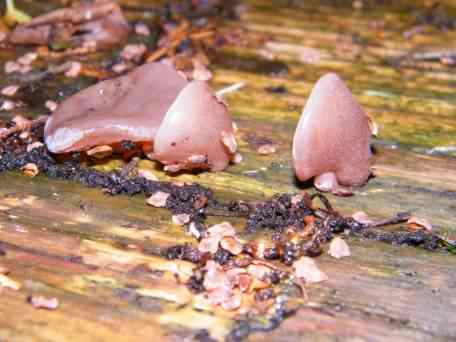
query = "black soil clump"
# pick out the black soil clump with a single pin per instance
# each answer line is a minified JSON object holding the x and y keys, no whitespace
{"x":183,"y":252}
{"x":281,"y":213}
{"x":277,"y":214}
{"x":195,"y":283}
{"x":246,"y":326}
{"x":183,"y":199}
{"x":418,"y":238}
{"x":277,"y":89}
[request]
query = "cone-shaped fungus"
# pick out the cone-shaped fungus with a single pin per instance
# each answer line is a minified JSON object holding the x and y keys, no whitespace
{"x":332,"y":140}
{"x":196,"y":133}
{"x":130,"y":107}
{"x":101,"y":23}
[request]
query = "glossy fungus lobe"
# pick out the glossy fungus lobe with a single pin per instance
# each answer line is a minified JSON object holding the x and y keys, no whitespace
{"x":197,"y":132}
{"x":130,"y":107}
{"x":332,"y":139}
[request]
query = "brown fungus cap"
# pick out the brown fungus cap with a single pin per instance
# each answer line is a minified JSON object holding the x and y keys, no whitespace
{"x":333,"y":135}
{"x":101,"y":23}
{"x":130,"y":107}
{"x":197,"y":132}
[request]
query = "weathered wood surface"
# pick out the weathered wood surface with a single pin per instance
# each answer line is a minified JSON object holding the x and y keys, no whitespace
{"x":79,"y":245}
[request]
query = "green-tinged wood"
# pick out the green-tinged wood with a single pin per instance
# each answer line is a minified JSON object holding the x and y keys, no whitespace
{"x":100,"y":255}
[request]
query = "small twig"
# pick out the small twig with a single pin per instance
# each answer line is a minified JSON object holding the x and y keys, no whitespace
{"x":433,"y":55}
{"x":57,"y":55}
{"x":41,"y":75}
{"x":127,"y":169}
{"x":224,"y":214}
{"x":230,"y":89}
{"x":398,"y":218}
{"x":425,"y":56}
{"x":175,"y":38}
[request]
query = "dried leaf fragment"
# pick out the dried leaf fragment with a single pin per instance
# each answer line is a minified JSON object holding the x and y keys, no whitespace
{"x":231,"y":244}
{"x":8,"y":105}
{"x":34,"y":145}
{"x":9,"y":283}
{"x":10,"y":90}
{"x":215,"y":276}
{"x":74,"y":70}
{"x":193,"y":230}
{"x":229,"y":141}
{"x":133,"y":52}
{"x":232,"y":303}
{"x":149,"y":175}
{"x":181,"y":219}
{"x":142,"y":29}
{"x":28,"y":58}
{"x":51,"y":105}
{"x":100,"y":152}
{"x":214,"y":236}
{"x":21,"y":122}
{"x":362,"y":217}
{"x":237,"y":158}
{"x":259,"y":272}
{"x":373,"y":126}
{"x":158,"y":199}
{"x":416,"y":223}
{"x":338,"y":248}
{"x":119,"y":68}
{"x":209,"y":244}
{"x":11,"y":67}
{"x":30,"y":170}
{"x":197,"y":159}
{"x":307,"y":269}
{"x":40,"y":302}
{"x":201,"y":72}
{"x":266,"y":149}
{"x":222,"y":229}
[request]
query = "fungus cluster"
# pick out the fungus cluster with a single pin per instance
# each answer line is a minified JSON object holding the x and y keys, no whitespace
{"x":182,"y":124}
{"x":185,"y":126}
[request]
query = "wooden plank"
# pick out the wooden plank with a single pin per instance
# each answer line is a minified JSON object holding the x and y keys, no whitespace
{"x":89,"y":249}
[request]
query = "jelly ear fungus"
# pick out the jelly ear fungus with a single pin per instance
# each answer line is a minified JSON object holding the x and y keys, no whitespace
{"x":197,"y":132}
{"x":332,"y":139}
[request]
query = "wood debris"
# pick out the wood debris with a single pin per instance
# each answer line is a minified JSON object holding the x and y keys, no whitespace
{"x":9,"y":283}
{"x":41,"y":302}
{"x":307,"y":269}
{"x":338,"y":248}
{"x":414,"y":223}
{"x":10,"y":90}
{"x":158,"y":199}
{"x":30,"y":170}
